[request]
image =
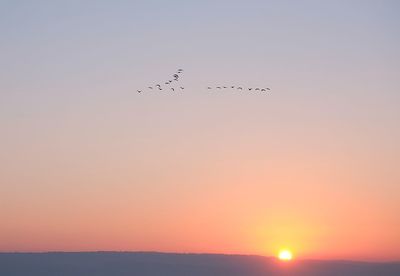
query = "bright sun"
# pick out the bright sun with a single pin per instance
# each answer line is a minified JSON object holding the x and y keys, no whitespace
{"x":285,"y":255}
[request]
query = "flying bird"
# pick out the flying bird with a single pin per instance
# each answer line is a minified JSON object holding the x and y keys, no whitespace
{"x":139,"y":91}
{"x":172,"y":89}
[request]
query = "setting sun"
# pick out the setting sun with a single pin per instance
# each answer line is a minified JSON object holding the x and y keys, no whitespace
{"x":285,"y":255}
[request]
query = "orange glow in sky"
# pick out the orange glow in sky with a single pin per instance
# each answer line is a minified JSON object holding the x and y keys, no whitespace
{"x":87,"y":163}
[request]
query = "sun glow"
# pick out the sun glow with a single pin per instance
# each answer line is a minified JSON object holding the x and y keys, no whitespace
{"x":285,"y":255}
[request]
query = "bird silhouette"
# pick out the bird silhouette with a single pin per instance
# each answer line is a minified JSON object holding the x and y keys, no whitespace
{"x":232,"y":86}
{"x":250,"y":89}
{"x":263,"y":89}
{"x":139,"y":91}
{"x":257,"y":89}
{"x":209,"y":87}
{"x":268,"y":89}
{"x":172,"y":89}
{"x":219,"y":87}
{"x":150,"y":87}
{"x":240,"y":88}
{"x":182,"y":87}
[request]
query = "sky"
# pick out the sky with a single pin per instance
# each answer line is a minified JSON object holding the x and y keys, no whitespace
{"x":87,"y":163}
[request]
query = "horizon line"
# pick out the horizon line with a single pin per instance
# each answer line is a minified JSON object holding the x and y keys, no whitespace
{"x":194,"y":253}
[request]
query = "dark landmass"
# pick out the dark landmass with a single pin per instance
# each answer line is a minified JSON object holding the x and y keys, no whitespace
{"x":169,"y":264}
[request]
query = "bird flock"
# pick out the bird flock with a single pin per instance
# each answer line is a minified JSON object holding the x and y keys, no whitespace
{"x":240,"y":88}
{"x":169,"y":85}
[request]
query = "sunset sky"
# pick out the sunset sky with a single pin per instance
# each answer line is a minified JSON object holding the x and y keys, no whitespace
{"x":87,"y":163}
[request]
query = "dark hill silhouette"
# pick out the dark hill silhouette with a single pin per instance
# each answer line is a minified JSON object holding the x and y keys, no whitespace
{"x":168,"y":264}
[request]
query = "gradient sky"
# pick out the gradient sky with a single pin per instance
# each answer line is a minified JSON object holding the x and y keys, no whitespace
{"x":87,"y":163}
